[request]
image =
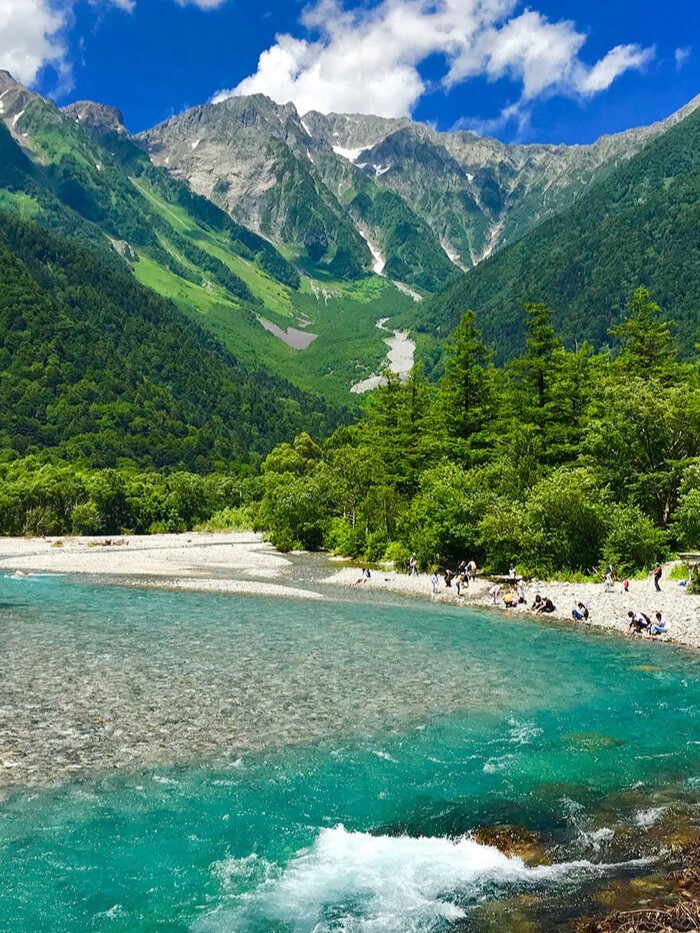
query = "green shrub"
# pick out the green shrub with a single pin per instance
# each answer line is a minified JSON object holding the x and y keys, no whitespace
{"x":42,"y":520}
{"x":634,"y":541}
{"x":240,"y":519}
{"x":375,"y":546}
{"x":398,"y":554}
{"x":342,"y":538}
{"x":85,"y":519}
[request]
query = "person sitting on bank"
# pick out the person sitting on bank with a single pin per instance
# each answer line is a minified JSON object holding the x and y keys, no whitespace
{"x":658,"y":626}
{"x":510,"y":599}
{"x":580,"y":613}
{"x":544,"y":605}
{"x":364,"y":577}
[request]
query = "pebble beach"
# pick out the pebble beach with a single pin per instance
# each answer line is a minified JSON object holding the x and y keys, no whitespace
{"x":241,"y":562}
{"x":607,"y":610}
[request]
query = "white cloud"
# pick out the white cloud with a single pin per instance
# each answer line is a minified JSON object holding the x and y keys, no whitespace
{"x":367,"y":59}
{"x":615,"y":63}
{"x":202,"y":4}
{"x":681,"y":56}
{"x":29,"y":37}
{"x":32,"y":35}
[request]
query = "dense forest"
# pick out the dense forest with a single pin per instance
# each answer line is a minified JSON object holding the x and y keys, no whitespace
{"x":638,"y":227}
{"x":557,"y":459}
{"x":99,"y":371}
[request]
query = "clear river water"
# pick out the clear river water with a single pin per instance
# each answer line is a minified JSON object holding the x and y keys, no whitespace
{"x":177,"y":761}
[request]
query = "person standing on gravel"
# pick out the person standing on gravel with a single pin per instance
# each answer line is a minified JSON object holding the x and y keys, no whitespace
{"x":656,"y":574}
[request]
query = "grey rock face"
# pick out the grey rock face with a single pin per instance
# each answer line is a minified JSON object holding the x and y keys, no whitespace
{"x":96,"y":116}
{"x":474,"y":193}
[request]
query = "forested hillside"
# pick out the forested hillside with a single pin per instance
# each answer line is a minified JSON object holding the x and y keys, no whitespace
{"x":557,"y":460}
{"x":640,"y":226}
{"x":99,"y":370}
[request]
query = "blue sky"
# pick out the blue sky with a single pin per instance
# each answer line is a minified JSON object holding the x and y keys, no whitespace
{"x":552,"y":71}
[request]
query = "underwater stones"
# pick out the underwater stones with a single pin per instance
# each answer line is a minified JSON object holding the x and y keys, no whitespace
{"x":590,"y":741}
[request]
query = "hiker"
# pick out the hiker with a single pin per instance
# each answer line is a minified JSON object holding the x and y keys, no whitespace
{"x":521,"y":593}
{"x":626,"y":585}
{"x":495,"y":591}
{"x":448,"y":578}
{"x":435,"y":580}
{"x":364,"y":577}
{"x":546,"y":605}
{"x":608,"y":580}
{"x":656,"y":574}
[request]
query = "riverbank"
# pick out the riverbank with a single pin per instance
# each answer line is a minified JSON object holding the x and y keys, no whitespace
{"x":196,"y":561}
{"x":607,"y":610}
{"x":241,"y":562}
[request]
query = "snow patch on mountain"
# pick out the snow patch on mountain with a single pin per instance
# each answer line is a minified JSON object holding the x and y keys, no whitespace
{"x":379,"y":260}
{"x":352,"y":155}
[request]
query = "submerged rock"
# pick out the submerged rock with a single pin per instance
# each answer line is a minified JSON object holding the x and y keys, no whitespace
{"x":514,"y":841}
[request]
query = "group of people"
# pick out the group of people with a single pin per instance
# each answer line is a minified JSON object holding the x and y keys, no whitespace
{"x":513,"y":596}
{"x":465,"y":573}
{"x":641,"y":624}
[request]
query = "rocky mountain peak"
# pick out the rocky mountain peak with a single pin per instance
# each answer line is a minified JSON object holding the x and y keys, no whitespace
{"x":96,"y":116}
{"x":6,"y":81}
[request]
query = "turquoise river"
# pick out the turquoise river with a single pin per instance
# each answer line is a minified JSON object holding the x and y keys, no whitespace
{"x":181,"y":761}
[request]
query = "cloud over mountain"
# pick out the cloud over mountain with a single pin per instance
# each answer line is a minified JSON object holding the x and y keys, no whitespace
{"x":368,"y":59}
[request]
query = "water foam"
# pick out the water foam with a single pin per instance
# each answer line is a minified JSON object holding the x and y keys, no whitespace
{"x":353,"y":881}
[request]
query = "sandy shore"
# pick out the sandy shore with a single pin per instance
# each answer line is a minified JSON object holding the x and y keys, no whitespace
{"x":607,"y":610}
{"x":194,"y":561}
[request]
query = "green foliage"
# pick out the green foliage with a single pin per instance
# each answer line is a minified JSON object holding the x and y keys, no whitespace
{"x":51,"y":499}
{"x":686,"y":527}
{"x":638,"y":226}
{"x":397,"y":554}
{"x":633,"y":541}
{"x":563,"y":522}
{"x":557,"y":461}
{"x":294,"y":511}
{"x":97,"y":369}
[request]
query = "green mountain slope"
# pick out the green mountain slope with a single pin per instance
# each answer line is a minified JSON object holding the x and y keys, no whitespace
{"x":78,"y":173}
{"x":95,"y":368}
{"x":638,"y":227}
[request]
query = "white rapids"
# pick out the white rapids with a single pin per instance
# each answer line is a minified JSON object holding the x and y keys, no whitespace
{"x":353,"y":881}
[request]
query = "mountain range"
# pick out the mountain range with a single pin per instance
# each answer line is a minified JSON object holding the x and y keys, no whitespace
{"x":290,"y":237}
{"x":442,"y":199}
